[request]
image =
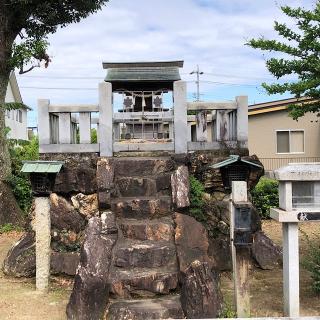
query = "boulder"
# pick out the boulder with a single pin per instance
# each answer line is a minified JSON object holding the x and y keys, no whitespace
{"x":200,"y":294}
{"x":160,"y":308}
{"x":90,"y":292}
{"x":64,"y":263}
{"x":9,"y":209}
{"x":21,"y":259}
{"x":163,"y":182}
{"x":265,"y":252}
{"x":220,"y":253}
{"x":65,"y":240}
{"x":126,"y":167}
{"x":180,"y":187}
{"x":191,"y":241}
{"x":144,"y":208}
{"x":135,"y":187}
{"x":78,"y":174}
{"x":156,"y":229}
{"x":87,"y":205}
{"x":143,"y":282}
{"x":105,"y":184}
{"x":64,"y":216}
{"x":144,"y":254}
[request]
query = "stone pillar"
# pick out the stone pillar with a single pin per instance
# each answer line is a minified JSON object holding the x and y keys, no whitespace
{"x":43,"y":121}
{"x":116,"y":131}
{"x":242,"y":118}
{"x":105,"y":119}
{"x":43,"y":240}
{"x":290,"y":234}
{"x":65,"y":128}
{"x":201,"y":126}
{"x":85,"y":127}
{"x":180,"y":117}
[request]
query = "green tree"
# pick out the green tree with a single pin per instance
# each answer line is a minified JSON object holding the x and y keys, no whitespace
{"x":298,"y":55}
{"x":24,"y":28}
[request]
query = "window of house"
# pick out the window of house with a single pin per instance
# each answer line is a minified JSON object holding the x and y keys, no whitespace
{"x":8,"y":114}
{"x":290,"y":141}
{"x":19,"y":116}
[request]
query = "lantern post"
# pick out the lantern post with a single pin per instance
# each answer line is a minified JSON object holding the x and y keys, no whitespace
{"x":299,"y":201}
{"x":42,"y":178}
{"x":235,"y":174}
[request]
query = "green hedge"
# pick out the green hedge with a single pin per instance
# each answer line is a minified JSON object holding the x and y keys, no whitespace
{"x":21,"y":188}
{"x":265,"y":196}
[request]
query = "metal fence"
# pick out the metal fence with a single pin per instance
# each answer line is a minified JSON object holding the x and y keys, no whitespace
{"x":271,"y":164}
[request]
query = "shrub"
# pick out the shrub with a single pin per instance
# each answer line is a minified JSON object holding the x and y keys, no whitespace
{"x":265,"y":196}
{"x":312,"y":260}
{"x":8,"y":227}
{"x":19,"y":182}
{"x":196,"y":199}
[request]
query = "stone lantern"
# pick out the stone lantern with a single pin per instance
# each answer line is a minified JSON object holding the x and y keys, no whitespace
{"x":299,"y":200}
{"x":42,"y":177}
{"x":235,"y":168}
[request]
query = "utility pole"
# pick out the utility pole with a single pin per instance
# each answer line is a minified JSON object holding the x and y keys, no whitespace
{"x":198,"y":73}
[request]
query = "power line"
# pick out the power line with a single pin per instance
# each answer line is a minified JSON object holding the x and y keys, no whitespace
{"x":63,"y":77}
{"x":56,"y":88}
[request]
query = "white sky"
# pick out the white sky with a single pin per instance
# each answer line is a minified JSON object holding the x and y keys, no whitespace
{"x":211,"y":33}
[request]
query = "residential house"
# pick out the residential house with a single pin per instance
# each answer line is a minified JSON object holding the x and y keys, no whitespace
{"x":16,"y":120}
{"x":277,"y":139}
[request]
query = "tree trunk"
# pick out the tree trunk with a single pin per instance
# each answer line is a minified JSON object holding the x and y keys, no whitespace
{"x":7,"y":37}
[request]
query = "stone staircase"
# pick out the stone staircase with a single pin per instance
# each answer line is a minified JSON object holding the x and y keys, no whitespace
{"x":144,"y":272}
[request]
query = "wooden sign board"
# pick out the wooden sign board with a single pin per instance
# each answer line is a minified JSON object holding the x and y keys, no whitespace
{"x":308,"y":216}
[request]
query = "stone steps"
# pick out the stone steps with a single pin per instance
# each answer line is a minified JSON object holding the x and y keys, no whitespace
{"x":132,"y":167}
{"x":144,"y":263}
{"x":143,"y":186}
{"x":156,"y":229}
{"x":146,"y":254}
{"x":160,"y":308}
{"x":143,"y":282}
{"x":142,"y":207}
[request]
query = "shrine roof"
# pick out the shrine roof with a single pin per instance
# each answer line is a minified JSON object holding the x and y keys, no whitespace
{"x":143,"y":71}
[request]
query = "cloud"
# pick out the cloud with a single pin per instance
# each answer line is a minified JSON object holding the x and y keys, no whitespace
{"x":211,"y":33}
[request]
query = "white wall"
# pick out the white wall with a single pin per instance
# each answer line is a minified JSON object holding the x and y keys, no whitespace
{"x":18,"y":129}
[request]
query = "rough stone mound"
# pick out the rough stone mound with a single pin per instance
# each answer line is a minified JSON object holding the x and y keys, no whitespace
{"x":162,"y":308}
{"x":9,"y":209}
